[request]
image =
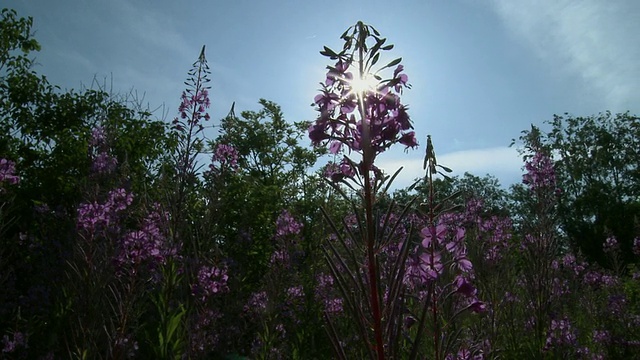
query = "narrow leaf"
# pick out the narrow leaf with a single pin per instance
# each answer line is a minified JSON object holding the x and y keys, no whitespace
{"x":394,"y":63}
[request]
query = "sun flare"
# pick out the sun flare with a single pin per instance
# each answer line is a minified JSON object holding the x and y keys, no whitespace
{"x":361,"y":85}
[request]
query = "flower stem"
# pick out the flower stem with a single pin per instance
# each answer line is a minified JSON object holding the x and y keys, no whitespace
{"x":367,"y":160}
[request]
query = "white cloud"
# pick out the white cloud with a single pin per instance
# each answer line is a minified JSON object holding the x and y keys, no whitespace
{"x":502,"y":162}
{"x":483,"y":161}
{"x":595,"y":40}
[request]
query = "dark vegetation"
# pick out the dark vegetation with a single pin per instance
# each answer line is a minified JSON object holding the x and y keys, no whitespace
{"x":116,"y":242}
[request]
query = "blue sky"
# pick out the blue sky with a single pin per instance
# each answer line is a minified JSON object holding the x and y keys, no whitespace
{"x":481,"y":71}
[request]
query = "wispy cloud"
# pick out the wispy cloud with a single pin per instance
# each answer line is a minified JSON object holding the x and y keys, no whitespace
{"x":596,"y":40}
{"x":154,"y":28}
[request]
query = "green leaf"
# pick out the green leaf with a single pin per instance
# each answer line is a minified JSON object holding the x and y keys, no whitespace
{"x":328,"y":52}
{"x":375,"y":59}
{"x":174,"y":322}
{"x":393,"y":63}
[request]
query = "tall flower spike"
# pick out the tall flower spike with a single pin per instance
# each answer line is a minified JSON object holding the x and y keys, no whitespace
{"x":188,"y":126}
{"x":201,"y":57}
{"x":361,"y":112}
{"x":353,"y":83}
{"x":195,"y":100}
{"x":540,"y":172}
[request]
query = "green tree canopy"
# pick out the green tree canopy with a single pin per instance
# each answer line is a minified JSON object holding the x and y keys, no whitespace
{"x":597,"y":163}
{"x":271,"y":175}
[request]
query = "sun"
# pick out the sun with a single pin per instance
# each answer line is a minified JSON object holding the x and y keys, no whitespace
{"x":361,"y":85}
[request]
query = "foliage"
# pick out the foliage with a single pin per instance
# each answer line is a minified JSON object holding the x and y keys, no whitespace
{"x":114,"y":243}
{"x":494,"y":197}
{"x":597,"y":172}
{"x":267,"y":173}
{"x":387,"y":272}
{"x":50,"y":136}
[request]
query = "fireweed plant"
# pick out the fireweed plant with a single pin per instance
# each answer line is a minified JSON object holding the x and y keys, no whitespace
{"x":8,"y":179}
{"x":116,"y":262}
{"x":188,"y":130}
{"x":540,"y":246}
{"x":199,"y":279}
{"x":154,"y":295}
{"x":381,"y":119}
{"x":397,"y":291}
{"x":175,"y":265}
{"x":278,"y":305}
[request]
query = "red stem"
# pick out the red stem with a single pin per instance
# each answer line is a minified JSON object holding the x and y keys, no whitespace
{"x":434,"y":295}
{"x":367,"y":161}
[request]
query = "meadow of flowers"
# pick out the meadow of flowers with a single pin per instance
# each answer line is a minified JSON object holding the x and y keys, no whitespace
{"x":145,"y":252}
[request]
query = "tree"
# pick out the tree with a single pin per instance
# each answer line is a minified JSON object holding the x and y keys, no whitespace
{"x":486,"y":189}
{"x":47,"y":131}
{"x":48,"y":134}
{"x":597,"y":165}
{"x":269,"y":174}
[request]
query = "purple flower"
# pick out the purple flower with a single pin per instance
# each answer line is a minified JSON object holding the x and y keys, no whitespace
{"x":383,"y":113}
{"x":601,"y":336}
{"x":560,"y":287}
{"x":317,"y":134}
{"x":408,"y":139}
{"x":325,"y":294}
{"x":119,"y":200}
{"x":348,"y":104}
{"x":226,"y":156}
{"x":211,"y":281}
{"x":617,"y":304}
{"x":257,"y":302}
{"x":95,"y":217}
{"x":568,"y":260}
{"x":610,"y":245}
{"x":286,"y":225}
{"x":401,"y":79}
{"x":346,"y":168}
{"x":195,"y":100}
{"x":477,"y":306}
{"x":147,"y":245}
{"x":295,"y":293}
{"x":98,"y":137}
{"x":464,"y":287}
{"x":194,"y":105}
{"x":464,"y":264}
{"x":104,"y":163}
{"x":330,"y":170}
{"x":279,"y":257}
{"x":338,"y":75}
{"x":455,"y":246}
{"x":430,"y":232}
{"x":333,"y":306}
{"x":335,"y":147}
{"x":540,"y":172}
{"x":326,"y":101}
{"x":561,"y":333}
{"x":9,"y":346}
{"x":7,"y":172}
{"x":423,"y":268}
{"x":510,"y":297}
